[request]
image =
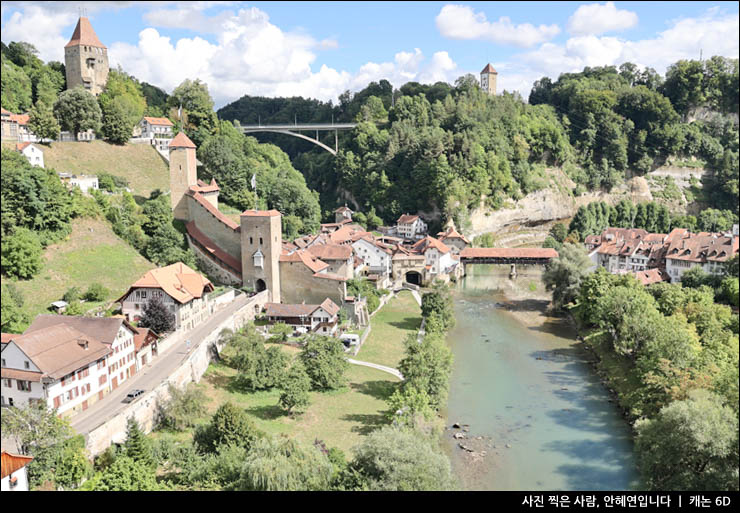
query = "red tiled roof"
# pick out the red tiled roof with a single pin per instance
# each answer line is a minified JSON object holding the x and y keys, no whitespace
{"x":330,"y":307}
{"x":140,"y":340}
{"x":406,"y":219}
{"x":346,"y":233}
{"x":104,"y":329}
{"x":330,"y":276}
{"x":7,"y":337}
{"x":260,"y":213}
{"x":158,"y":121}
{"x":21,"y":119}
{"x":5,"y":111}
{"x":651,"y":276}
{"x":289,"y":310}
{"x":330,"y":251}
{"x":213,"y":248}
{"x":181,"y":141}
{"x":430,"y":242}
{"x":84,"y":35}
{"x":23,"y":375}
{"x":178,"y":281}
{"x":57,"y":350}
{"x":12,"y":462}
{"x":489,"y":69}
{"x":213,"y":210}
{"x":204,"y":187}
{"x":307,"y":259}
{"x":508,"y":253}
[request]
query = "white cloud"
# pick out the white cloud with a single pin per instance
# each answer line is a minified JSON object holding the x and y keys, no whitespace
{"x":595,"y":19}
{"x":36,"y":26}
{"x":253,"y":56}
{"x":713,"y":33}
{"x":461,"y":22}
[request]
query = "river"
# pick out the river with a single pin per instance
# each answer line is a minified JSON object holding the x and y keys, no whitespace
{"x":523,"y":384}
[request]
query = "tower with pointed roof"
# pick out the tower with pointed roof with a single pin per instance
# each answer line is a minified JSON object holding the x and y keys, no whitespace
{"x":86,"y":59}
{"x":488,"y":79}
{"x":183,"y":174}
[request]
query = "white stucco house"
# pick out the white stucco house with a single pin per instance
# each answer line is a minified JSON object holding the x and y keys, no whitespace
{"x":32,"y":152}
{"x":183,"y":290}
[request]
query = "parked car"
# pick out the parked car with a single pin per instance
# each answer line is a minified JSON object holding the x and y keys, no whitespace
{"x":133,"y":395}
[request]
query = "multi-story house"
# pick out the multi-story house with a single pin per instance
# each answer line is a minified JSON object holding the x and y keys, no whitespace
{"x":57,"y":365}
{"x":183,"y":290}
{"x":437,"y":256}
{"x":322,"y":319}
{"x":32,"y":152}
{"x":114,"y":332}
{"x":621,"y":250}
{"x":157,"y":130}
{"x":411,"y":227}
{"x":376,"y":255}
{"x":339,"y":258}
{"x":711,"y":251}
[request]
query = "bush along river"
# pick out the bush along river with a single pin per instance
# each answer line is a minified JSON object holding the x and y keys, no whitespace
{"x":530,"y":412}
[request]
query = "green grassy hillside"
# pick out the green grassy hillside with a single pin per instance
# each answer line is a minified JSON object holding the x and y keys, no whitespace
{"x":140,"y":164}
{"x":92,"y":253}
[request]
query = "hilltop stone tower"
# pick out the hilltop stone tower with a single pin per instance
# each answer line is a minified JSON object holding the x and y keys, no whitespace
{"x":86,"y":59}
{"x":183,"y":174}
{"x":261,"y":245}
{"x":488,"y":79}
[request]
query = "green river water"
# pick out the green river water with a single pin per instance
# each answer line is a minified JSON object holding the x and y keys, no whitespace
{"x":544,"y":417}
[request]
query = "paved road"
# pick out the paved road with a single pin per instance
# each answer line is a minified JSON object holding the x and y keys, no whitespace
{"x":383,"y":368}
{"x":154,"y":373}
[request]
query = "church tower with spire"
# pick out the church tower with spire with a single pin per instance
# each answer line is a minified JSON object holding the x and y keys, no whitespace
{"x":86,"y":59}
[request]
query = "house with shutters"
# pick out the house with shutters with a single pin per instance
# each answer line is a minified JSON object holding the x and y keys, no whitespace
{"x":322,"y":319}
{"x":114,"y":332}
{"x":57,"y":365}
{"x":411,"y":227}
{"x":157,"y":130}
{"x":184,"y":291}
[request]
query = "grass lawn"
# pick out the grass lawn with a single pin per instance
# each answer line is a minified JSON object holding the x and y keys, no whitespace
{"x":340,"y":418}
{"x":390,"y":326}
{"x":92,"y":253}
{"x":140,"y":164}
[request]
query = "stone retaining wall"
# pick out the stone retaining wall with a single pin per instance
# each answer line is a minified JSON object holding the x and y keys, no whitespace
{"x":191,"y":370}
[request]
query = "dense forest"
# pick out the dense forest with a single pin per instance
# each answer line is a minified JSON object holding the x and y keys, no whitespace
{"x":441,"y":147}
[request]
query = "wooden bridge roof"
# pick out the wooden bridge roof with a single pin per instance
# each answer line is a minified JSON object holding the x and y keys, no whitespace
{"x":538,"y":253}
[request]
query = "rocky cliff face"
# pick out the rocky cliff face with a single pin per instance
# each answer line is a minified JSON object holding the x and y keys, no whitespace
{"x":532,"y":216}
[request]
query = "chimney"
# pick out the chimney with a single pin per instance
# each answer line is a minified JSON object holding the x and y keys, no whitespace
{"x":82,"y":343}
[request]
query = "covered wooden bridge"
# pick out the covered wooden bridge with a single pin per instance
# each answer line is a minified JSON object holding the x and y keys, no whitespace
{"x":512,"y":256}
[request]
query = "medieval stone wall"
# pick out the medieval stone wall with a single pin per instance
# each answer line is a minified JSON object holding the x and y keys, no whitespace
{"x":224,"y":236}
{"x":191,"y":370}
{"x":297,"y":284}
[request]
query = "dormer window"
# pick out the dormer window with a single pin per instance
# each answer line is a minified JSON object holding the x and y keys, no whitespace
{"x":259,"y":259}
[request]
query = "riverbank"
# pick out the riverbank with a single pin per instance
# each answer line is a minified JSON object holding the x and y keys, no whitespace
{"x":532,"y":413}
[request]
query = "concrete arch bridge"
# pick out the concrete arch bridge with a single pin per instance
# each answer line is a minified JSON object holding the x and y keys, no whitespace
{"x":295,"y":129}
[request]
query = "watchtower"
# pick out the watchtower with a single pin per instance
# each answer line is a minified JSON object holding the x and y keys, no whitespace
{"x":86,"y":59}
{"x":261,"y":244}
{"x":488,"y":79}
{"x":183,"y":174}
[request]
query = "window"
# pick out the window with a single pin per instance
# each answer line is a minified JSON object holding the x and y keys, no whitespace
{"x":24,"y":386}
{"x":3,"y":362}
{"x":260,"y":241}
{"x":27,"y":365}
{"x":8,"y":383}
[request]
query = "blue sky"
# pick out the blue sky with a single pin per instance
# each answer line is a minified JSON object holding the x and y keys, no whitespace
{"x":320,"y":49}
